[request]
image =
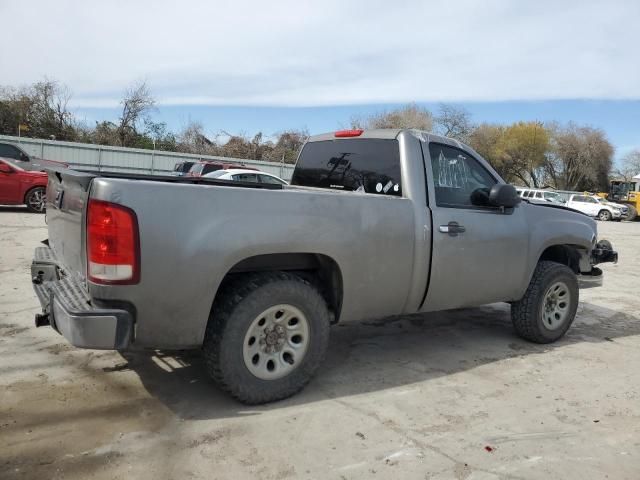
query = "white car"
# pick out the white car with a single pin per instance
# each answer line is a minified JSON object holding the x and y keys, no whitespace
{"x":623,"y":208}
{"x":533,"y":194}
{"x":593,"y":206}
{"x":242,"y":175}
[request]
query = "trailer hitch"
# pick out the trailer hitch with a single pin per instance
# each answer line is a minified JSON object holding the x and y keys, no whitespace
{"x":42,"y":320}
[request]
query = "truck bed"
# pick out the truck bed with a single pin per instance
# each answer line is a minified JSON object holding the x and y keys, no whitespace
{"x":193,"y":232}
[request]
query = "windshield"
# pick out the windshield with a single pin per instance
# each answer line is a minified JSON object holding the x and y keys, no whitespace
{"x":183,"y":166}
{"x":11,"y":164}
{"x":196,"y":168}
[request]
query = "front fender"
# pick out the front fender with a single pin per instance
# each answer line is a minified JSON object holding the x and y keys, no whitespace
{"x":551,"y":226}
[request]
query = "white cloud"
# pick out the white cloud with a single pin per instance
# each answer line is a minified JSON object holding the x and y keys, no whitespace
{"x":328,"y":52}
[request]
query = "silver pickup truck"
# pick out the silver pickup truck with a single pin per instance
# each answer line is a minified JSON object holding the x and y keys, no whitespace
{"x":375,"y":224}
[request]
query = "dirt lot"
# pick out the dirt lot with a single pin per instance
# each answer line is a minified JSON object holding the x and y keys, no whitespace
{"x":450,"y":395}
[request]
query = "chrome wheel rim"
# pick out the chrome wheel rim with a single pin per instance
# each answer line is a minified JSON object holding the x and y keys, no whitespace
{"x":36,"y":200}
{"x":604,"y":215}
{"x":276,"y":342}
{"x":555,"y":306}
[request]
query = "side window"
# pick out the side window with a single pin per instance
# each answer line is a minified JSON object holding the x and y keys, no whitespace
{"x":246,"y":177}
{"x":456,"y":176}
{"x":578,"y":198}
{"x":591,"y":200}
{"x":538,"y":194}
{"x":268,"y":179}
{"x":9,"y":151}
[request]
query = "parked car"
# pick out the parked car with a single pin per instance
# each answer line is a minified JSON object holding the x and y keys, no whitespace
{"x":593,"y":206}
{"x":244,"y":175}
{"x":624,"y":209}
{"x":182,"y":168}
{"x":26,"y":161}
{"x":22,"y":187}
{"x":201,"y":168}
{"x":541,"y":195}
{"x":376,"y":223}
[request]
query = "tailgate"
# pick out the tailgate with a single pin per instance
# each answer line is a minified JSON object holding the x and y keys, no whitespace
{"x":67,"y":194}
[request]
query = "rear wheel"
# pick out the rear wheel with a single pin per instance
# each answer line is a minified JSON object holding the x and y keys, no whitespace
{"x":267,"y":336}
{"x":35,"y":200}
{"x":604,"y":215}
{"x":549,"y":305}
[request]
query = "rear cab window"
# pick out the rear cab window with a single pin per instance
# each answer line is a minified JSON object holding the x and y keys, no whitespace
{"x":364,"y":165}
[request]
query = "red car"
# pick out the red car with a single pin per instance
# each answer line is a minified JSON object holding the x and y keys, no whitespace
{"x":22,"y":187}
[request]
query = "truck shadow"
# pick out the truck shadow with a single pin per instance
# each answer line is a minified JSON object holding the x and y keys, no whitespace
{"x":372,"y":356}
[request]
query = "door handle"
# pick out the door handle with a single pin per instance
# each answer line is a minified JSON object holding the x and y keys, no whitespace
{"x":452,"y":228}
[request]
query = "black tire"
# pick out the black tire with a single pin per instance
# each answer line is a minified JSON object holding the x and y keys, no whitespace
{"x":35,"y":200}
{"x":527,"y":313}
{"x":604,"y":215}
{"x":606,"y":244}
{"x":237,"y":308}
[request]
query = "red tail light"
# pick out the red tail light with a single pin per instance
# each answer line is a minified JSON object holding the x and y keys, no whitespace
{"x":113,"y":247}
{"x":349,"y":133}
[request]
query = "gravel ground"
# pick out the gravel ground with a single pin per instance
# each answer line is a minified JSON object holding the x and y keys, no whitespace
{"x":447,"y":395}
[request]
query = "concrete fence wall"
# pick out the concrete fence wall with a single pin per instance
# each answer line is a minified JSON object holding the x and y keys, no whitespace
{"x":128,"y":160}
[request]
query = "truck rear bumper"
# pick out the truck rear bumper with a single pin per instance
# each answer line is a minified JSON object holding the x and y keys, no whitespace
{"x":68,"y":308}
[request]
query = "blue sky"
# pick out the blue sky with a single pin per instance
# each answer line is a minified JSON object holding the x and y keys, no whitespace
{"x":620,"y":119}
{"x":250,"y":65}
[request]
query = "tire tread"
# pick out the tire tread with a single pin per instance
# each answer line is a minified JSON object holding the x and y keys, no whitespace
{"x":233,"y":294}
{"x":523,"y":312}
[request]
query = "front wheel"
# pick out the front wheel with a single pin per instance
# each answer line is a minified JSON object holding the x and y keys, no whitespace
{"x":548,"y":307}
{"x":604,"y":215}
{"x":267,"y":336}
{"x":35,"y":200}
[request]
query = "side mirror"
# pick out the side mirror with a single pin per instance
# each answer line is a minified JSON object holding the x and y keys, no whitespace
{"x":4,"y":168}
{"x":24,"y":157}
{"x":503,"y":195}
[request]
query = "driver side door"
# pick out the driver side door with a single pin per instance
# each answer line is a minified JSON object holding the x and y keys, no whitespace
{"x":479,"y":253}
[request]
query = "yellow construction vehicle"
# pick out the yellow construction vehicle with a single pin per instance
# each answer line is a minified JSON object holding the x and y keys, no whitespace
{"x":626,"y":193}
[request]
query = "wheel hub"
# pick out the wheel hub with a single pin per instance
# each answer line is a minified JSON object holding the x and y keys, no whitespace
{"x":556,"y":306}
{"x":272,"y":340}
{"x":276,"y":342}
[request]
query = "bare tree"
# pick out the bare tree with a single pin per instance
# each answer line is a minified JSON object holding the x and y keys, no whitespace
{"x":454,"y":122}
{"x":580,"y":158}
{"x":192,"y":139}
{"x":136,"y":105}
{"x":288,"y":146}
{"x":409,"y":116}
{"x":630,"y":166}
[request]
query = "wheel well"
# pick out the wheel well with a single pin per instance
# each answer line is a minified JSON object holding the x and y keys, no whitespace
{"x":319,"y":270}
{"x":26,"y":194}
{"x":565,"y":254}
